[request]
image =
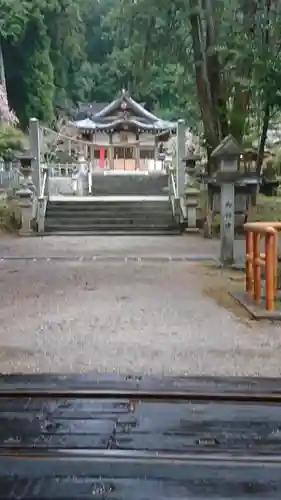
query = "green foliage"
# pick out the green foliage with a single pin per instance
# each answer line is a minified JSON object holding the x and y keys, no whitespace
{"x":10,"y":216}
{"x":61,"y":52}
{"x":12,"y":140}
{"x":38,"y":74}
{"x":270,"y":169}
{"x":277,"y":161}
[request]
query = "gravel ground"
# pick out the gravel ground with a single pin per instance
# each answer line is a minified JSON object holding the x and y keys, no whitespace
{"x":150,"y":317}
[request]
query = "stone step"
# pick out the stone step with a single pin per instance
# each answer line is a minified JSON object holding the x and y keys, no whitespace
{"x":109,"y":215}
{"x":109,"y":228}
{"x":105,"y":200}
{"x":129,"y":184}
{"x":111,"y":220}
{"x":111,"y":208}
{"x":111,"y":232}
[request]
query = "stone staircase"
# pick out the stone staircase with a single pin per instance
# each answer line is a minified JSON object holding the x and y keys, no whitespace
{"x":119,"y":204}
{"x":109,"y":215}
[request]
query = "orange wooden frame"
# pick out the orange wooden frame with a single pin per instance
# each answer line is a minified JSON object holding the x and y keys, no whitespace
{"x":254,"y":260}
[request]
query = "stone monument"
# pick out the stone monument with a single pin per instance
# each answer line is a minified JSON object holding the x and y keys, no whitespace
{"x":227,"y":154}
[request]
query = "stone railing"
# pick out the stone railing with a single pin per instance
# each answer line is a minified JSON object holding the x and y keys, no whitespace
{"x":10,"y":178}
{"x":42,"y":201}
{"x":61,"y":169}
{"x":173,"y":192}
{"x":69,"y":179}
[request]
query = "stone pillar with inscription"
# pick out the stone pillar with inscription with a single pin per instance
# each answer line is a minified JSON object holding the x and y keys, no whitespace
{"x":227,"y":154}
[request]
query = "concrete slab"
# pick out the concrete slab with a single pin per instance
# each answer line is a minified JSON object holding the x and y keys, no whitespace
{"x":257,"y":311}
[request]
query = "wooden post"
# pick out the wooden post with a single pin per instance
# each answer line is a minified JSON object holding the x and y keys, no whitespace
{"x":270,"y":270}
{"x":110,"y":152}
{"x":249,"y":255}
{"x":266,"y":259}
{"x":137,"y":157}
{"x":155,"y":151}
{"x":257,"y":269}
{"x":92,"y":154}
{"x":275,"y":262}
{"x":227,"y":153}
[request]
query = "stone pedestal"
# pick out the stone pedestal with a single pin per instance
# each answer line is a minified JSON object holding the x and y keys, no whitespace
{"x":191,"y":203}
{"x":41,"y":214}
{"x":82,"y":178}
{"x":74,"y":182}
{"x":26,"y":196}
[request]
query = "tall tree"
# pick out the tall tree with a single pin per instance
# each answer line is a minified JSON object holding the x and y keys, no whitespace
{"x":38,"y":72}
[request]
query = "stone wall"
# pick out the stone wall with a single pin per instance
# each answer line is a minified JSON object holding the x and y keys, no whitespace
{"x":240,"y":203}
{"x":240,"y":209}
{"x":60,"y":185}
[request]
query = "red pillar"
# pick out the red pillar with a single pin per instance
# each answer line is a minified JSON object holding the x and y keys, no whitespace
{"x":101,"y":157}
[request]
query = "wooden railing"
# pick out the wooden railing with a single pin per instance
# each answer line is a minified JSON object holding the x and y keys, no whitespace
{"x":255,"y":260}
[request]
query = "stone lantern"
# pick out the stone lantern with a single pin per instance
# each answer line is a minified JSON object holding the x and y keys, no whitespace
{"x":191,"y":193}
{"x":26,"y":192}
{"x":227,"y":155}
{"x":190,"y":163}
{"x":25,"y":161}
{"x":190,"y":168}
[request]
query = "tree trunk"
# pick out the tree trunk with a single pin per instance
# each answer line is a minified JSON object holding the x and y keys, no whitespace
{"x":210,"y":88}
{"x":214,"y":75}
{"x":242,"y":94}
{"x":267,"y":107}
{"x":263,"y":137}
{"x":201,"y":75}
{"x":2,"y":68}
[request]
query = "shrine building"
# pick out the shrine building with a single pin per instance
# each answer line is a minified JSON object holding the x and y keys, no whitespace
{"x":123,"y":135}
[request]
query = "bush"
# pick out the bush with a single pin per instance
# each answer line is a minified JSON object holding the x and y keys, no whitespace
{"x":10,"y":217}
{"x":269,"y":169}
{"x":277,"y":161}
{"x":12,"y":140}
